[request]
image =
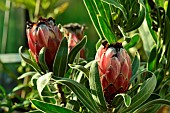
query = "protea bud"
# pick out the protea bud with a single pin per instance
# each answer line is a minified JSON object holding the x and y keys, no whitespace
{"x":115,"y":69}
{"x":75,"y":32}
{"x":44,"y":33}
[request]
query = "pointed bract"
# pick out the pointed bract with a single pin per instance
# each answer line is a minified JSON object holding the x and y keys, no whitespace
{"x":115,"y":69}
{"x":44,"y":33}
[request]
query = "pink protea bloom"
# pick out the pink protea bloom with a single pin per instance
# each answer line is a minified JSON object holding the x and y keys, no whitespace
{"x":75,"y":33}
{"x":115,"y":69}
{"x":44,"y":33}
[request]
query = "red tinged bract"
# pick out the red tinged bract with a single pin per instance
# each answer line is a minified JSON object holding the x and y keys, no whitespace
{"x":75,"y":33}
{"x":115,"y":69}
{"x":44,"y":33}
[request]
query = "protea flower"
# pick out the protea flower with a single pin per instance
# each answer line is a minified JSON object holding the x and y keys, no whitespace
{"x":115,"y":69}
{"x":75,"y":32}
{"x":44,"y":33}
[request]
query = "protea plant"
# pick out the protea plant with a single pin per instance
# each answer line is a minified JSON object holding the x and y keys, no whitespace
{"x":75,"y":33}
{"x":115,"y":69}
{"x":44,"y":33}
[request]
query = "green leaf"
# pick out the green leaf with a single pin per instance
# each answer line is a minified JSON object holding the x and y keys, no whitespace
{"x":28,"y":61}
{"x":41,"y":59}
{"x":146,"y":90}
{"x":151,"y":103}
{"x":106,"y":30}
{"x":43,"y":81}
{"x":135,"y":39}
{"x":152,"y":59}
{"x":164,"y":88}
{"x":138,"y":20}
{"x":35,"y":111}
{"x":135,"y":66}
{"x":73,"y":105}
{"x":95,"y":86}
{"x":149,"y":22}
{"x":104,"y":10}
{"x":3,"y":6}
{"x":26,"y":75}
{"x":122,"y":97}
{"x":2,"y":90}
{"x":168,"y":10}
{"x":76,"y":49}
{"x":82,"y":93}
{"x":93,"y":12}
{"x":117,"y":5}
{"x":98,"y":43}
{"x":34,"y":79}
{"x":80,"y":68}
{"x":60,"y":62}
{"x":49,"y":108}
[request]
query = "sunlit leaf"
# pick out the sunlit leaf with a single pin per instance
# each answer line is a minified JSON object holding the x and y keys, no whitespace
{"x":49,"y":108}
{"x":82,"y":93}
{"x":135,"y":39}
{"x":106,"y":31}
{"x":30,"y":62}
{"x":80,"y":68}
{"x":26,"y":75}
{"x":95,"y":86}
{"x":152,"y":59}
{"x":146,"y":90}
{"x":43,"y":81}
{"x":122,"y":97}
{"x":93,"y":12}
{"x":117,"y":5}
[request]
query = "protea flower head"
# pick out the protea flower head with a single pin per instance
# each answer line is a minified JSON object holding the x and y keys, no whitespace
{"x":115,"y":69}
{"x":44,"y":33}
{"x":75,"y":33}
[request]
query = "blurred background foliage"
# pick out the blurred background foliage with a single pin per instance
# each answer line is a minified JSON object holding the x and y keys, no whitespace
{"x":13,"y":17}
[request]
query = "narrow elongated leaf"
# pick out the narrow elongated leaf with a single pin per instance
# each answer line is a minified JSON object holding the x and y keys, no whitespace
{"x":2,"y":90}
{"x":36,"y":111}
{"x":26,"y":75}
{"x":132,"y":42}
{"x":164,"y":89}
{"x":80,"y":68}
{"x":93,"y":12}
{"x":107,"y":33}
{"x":49,"y":108}
{"x":152,"y":59}
{"x":30,"y":62}
{"x":60,"y":62}
{"x":146,"y":90}
{"x":104,"y":10}
{"x":76,"y":49}
{"x":82,"y":93}
{"x":122,"y":97}
{"x":135,"y":66}
{"x":138,"y":20}
{"x":95,"y":86}
{"x":117,"y":5}
{"x":149,"y":22}
{"x":43,"y":81}
{"x":41,"y":59}
{"x":168,"y":10}
{"x":151,"y":103}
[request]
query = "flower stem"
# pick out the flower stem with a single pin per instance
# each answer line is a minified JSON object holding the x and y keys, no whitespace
{"x":61,"y":94}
